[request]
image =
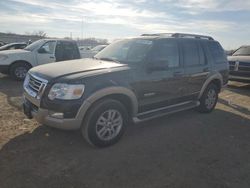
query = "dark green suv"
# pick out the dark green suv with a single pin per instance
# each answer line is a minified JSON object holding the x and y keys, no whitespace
{"x":132,"y":79}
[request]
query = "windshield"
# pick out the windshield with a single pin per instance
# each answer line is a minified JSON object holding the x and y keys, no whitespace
{"x":98,"y":48}
{"x":126,"y":51}
{"x":242,"y":51}
{"x":34,"y":45}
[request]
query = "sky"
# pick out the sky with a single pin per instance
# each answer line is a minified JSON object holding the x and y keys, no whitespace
{"x":225,"y":20}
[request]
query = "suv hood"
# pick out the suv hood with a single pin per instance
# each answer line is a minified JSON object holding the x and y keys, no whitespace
{"x":10,"y":52}
{"x":239,"y":58}
{"x":83,"y":67}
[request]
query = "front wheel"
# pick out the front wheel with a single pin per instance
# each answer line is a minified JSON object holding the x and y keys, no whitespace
{"x":18,"y":71}
{"x":105,"y":123}
{"x":209,"y":99}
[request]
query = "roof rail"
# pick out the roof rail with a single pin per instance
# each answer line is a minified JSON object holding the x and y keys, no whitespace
{"x":180,"y":35}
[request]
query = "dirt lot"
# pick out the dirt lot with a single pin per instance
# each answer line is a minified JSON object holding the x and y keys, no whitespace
{"x":183,"y":150}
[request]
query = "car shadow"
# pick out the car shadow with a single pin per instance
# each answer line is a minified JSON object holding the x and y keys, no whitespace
{"x":181,"y":150}
{"x":240,"y":88}
{"x":237,"y":107}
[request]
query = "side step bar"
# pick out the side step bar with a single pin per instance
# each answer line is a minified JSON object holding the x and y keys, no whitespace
{"x":165,"y":111}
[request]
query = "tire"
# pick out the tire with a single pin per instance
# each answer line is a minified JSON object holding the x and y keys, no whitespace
{"x":18,"y":71}
{"x":99,"y":128}
{"x":209,"y":99}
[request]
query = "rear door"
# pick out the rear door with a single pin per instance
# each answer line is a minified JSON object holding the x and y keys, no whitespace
{"x":196,"y":66}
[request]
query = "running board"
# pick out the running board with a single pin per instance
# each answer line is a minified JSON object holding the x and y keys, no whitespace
{"x":165,"y":111}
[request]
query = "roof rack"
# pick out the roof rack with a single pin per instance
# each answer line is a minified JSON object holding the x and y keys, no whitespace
{"x":180,"y":35}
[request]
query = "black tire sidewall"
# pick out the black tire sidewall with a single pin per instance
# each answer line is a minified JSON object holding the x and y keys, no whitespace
{"x":13,"y":70}
{"x":203,"y":107}
{"x":95,"y":113}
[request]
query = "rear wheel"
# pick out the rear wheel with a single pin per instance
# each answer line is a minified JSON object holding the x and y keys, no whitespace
{"x":105,"y":123}
{"x":18,"y":71}
{"x":209,"y":99}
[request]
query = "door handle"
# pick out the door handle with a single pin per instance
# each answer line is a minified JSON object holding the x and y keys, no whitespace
{"x":51,"y":57}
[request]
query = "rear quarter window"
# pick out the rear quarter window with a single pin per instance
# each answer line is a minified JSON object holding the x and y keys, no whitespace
{"x":217,"y":52}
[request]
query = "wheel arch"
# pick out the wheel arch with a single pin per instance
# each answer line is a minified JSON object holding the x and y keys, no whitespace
{"x":20,"y":61}
{"x":215,"y":79}
{"x":122,"y":94}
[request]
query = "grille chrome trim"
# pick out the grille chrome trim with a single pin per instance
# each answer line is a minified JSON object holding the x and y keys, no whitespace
{"x":35,"y":86}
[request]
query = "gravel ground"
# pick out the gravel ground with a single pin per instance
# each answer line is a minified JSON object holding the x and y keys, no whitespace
{"x":183,"y":150}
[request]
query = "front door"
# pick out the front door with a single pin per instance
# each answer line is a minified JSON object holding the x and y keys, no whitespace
{"x":46,"y":53}
{"x":161,"y":82}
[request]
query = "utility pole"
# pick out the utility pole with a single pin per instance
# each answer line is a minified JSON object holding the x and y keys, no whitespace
{"x":82,"y":33}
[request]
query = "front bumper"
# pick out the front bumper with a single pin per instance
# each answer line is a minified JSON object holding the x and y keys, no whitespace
{"x":239,"y":78}
{"x":31,"y":108}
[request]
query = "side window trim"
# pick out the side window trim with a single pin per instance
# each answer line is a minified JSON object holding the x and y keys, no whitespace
{"x":157,"y":44}
{"x":54,"y":47}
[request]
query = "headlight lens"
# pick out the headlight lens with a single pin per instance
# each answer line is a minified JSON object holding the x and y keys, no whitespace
{"x":66,"y":91}
{"x":3,"y":57}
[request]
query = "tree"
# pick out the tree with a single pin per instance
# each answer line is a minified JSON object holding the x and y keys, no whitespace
{"x":40,"y":33}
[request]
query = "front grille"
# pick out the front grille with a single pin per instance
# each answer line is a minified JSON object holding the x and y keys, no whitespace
{"x":239,"y":66}
{"x":34,"y":83}
{"x":245,"y":64}
{"x":231,"y":65}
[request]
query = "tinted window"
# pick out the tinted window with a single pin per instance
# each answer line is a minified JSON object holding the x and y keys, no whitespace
{"x":11,"y":48}
{"x":217,"y":52}
{"x":20,"y":46}
{"x":191,"y":53}
{"x":66,"y":51}
{"x":167,"y":51}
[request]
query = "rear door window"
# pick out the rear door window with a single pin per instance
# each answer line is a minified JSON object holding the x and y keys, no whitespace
{"x":66,"y":51}
{"x":192,"y":52}
{"x":167,"y":51}
{"x":217,"y":52}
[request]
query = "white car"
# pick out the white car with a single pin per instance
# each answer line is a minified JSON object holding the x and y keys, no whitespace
{"x":16,"y":63}
{"x":92,"y":52}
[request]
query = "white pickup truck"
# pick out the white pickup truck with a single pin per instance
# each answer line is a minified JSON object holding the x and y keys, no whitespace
{"x":16,"y":63}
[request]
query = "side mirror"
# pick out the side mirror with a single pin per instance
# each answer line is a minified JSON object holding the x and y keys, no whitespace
{"x":41,"y":51}
{"x":157,"y":65}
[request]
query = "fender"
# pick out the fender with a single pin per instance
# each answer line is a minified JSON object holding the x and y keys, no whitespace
{"x":105,"y":92}
{"x":216,"y":76}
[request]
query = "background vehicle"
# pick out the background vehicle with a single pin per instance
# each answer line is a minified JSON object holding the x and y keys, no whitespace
{"x":133,"y":79}
{"x":2,"y":43}
{"x":239,"y":64}
{"x":18,"y":62}
{"x":84,"y":48}
{"x":91,"y":52}
{"x":13,"y":46}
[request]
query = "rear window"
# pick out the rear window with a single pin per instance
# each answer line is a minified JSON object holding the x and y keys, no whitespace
{"x":217,"y":52}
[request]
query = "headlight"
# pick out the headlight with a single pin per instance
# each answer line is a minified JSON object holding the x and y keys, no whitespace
{"x":3,"y":57}
{"x":66,"y":91}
